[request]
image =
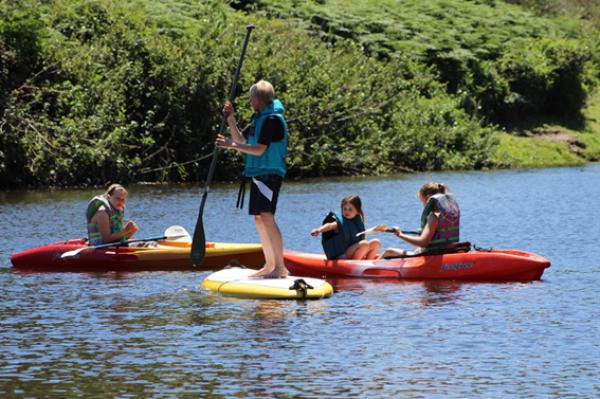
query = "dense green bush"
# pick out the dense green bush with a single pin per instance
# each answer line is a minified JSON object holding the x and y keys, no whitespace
{"x":504,"y":62}
{"x":98,"y":91}
{"x":20,"y":46}
{"x":588,"y":10}
{"x":133,"y":91}
{"x":545,"y":77}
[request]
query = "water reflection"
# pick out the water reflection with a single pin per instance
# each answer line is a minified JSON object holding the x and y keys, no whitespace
{"x":440,"y":292}
{"x":428,"y":292}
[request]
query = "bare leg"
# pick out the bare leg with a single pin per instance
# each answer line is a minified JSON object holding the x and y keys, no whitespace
{"x":392,"y":252}
{"x":374,"y":246}
{"x":272,"y":242}
{"x":266,"y":246}
{"x":358,"y":250}
{"x":276,"y":241}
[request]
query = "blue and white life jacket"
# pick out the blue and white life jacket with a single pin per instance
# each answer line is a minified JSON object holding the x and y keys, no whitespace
{"x":272,"y":161}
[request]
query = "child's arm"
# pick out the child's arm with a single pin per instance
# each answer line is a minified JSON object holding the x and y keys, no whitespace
{"x":424,"y":239}
{"x":326,"y":227}
{"x":252,"y":149}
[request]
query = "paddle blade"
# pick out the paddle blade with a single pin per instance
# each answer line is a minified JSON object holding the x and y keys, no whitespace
{"x":177,"y":233}
{"x":380,"y":227}
{"x":70,"y":254}
{"x":199,"y":240}
{"x":375,"y":229}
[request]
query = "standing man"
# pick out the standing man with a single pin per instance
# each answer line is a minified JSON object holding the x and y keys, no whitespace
{"x":264,"y":143}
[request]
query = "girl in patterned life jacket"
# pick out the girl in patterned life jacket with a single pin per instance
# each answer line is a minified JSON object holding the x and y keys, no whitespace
{"x":105,"y":215}
{"x":340,"y":240}
{"x":440,"y":222}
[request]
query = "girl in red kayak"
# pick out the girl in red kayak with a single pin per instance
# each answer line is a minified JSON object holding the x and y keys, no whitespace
{"x":440,"y":222}
{"x":105,"y":214}
{"x":341,"y":233}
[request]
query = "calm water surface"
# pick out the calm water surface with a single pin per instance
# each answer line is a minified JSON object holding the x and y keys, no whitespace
{"x":160,"y":335}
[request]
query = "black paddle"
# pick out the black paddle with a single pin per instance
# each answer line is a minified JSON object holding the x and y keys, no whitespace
{"x":75,"y":252}
{"x":199,"y":240}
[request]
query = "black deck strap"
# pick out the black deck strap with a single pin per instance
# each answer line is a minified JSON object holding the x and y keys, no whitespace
{"x":234,"y":263}
{"x":302,"y":286}
{"x":464,"y":246}
{"x":480,"y":249}
{"x":241,"y":194}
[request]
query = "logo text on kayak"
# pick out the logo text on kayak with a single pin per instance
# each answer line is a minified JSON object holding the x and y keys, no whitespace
{"x":456,"y":266}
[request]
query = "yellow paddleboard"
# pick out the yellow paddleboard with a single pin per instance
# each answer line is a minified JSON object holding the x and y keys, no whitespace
{"x":236,"y":282}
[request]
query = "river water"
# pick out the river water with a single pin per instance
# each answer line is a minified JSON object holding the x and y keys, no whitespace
{"x":160,"y":335}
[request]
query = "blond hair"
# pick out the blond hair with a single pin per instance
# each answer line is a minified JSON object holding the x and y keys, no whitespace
{"x":263,"y":90}
{"x":112,"y":189}
{"x":431,"y":188}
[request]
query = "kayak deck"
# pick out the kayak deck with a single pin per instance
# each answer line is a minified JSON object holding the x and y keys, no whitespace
{"x":492,"y":265}
{"x":167,"y":255}
{"x":236,"y":282}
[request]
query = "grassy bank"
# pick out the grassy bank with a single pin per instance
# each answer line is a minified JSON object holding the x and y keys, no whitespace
{"x":552,"y":144}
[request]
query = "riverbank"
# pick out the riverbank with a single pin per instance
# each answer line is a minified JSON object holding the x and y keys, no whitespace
{"x":552,"y":144}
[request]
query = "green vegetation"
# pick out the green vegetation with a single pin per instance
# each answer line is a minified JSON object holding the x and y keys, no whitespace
{"x":98,"y":91}
{"x":588,"y":10}
{"x":531,"y":152}
{"x":500,"y":61}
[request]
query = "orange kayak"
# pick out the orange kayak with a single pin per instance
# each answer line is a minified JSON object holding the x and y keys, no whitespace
{"x":488,"y":265}
{"x":167,"y":255}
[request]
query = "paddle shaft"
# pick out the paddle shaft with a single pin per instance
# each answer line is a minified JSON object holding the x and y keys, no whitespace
{"x":118,"y":244}
{"x":199,"y":240}
{"x":414,"y":233}
{"x":121,"y":243}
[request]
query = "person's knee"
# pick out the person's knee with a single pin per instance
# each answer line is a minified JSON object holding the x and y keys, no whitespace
{"x":363,"y":246}
{"x":268,"y":219}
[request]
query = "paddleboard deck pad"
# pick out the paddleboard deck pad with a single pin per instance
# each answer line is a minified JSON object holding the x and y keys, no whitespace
{"x":236,"y":282}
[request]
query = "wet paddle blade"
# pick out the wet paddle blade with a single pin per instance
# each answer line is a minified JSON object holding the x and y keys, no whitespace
{"x":178,"y":231}
{"x":72,"y":253}
{"x":199,"y":240}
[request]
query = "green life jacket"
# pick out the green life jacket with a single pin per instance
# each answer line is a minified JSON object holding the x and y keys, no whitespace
{"x":114,"y":215}
{"x":448,"y":229}
{"x":335,"y":243}
{"x":272,"y":161}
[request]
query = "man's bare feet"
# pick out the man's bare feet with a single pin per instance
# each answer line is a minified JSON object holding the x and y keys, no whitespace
{"x":279,"y":272}
{"x":263,"y":272}
{"x":275,"y":272}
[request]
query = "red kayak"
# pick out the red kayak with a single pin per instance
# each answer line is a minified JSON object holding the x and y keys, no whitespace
{"x":167,"y":255}
{"x":488,"y":265}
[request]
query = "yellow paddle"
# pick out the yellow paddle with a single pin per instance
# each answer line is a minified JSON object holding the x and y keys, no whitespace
{"x":383,"y":228}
